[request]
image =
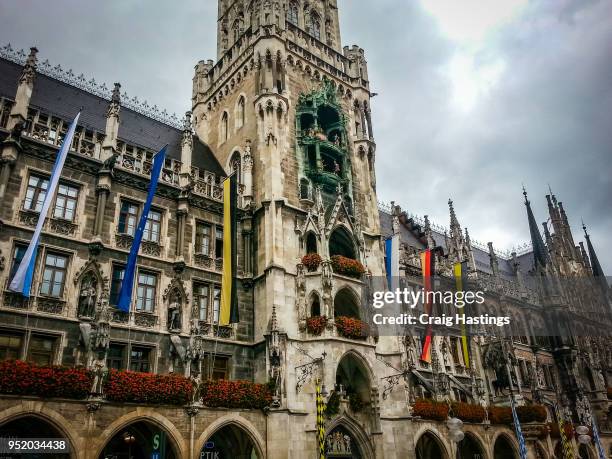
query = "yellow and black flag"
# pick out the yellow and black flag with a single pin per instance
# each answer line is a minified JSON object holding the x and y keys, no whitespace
{"x":229,"y":299}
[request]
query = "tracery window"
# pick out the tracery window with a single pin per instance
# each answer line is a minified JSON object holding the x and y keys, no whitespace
{"x":292,"y":13}
{"x":314,"y":28}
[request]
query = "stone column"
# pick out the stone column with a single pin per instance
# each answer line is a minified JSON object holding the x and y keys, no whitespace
{"x":180,"y":237}
{"x":247,"y":168}
{"x":368,"y":115}
{"x":109,"y":146}
{"x":103,"y":189}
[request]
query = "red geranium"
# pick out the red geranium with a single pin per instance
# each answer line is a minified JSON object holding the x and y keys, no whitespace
{"x":235,"y":394}
{"x":352,"y":328}
{"x":347,"y":266}
{"x":316,"y":324}
{"x":428,"y":409}
{"x":24,"y":378}
{"x":468,"y":412}
{"x":311,"y":261}
{"x":131,"y":386}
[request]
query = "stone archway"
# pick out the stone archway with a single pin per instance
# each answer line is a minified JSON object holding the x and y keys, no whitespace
{"x":504,"y":448}
{"x":231,"y":441}
{"x":341,"y":243}
{"x":140,"y":439}
{"x":354,"y":381}
{"x":346,"y":439}
{"x":429,"y":446}
{"x":471,"y":447}
{"x":34,"y":426}
{"x":347,"y":304}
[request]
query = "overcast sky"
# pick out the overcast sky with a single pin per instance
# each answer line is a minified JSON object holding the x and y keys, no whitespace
{"x":474,"y":100}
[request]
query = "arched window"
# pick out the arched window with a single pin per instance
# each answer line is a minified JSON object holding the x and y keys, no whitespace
{"x":224,"y":127}
{"x":314,"y":28}
{"x":311,"y":243}
{"x":236,"y":30}
{"x":315,"y":305}
{"x":292,"y":13}
{"x":240,"y":112}
{"x":236,"y":165}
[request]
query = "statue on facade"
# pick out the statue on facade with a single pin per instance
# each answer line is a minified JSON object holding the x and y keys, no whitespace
{"x":174,"y":313}
{"x":88,"y":296}
{"x":100,"y":371}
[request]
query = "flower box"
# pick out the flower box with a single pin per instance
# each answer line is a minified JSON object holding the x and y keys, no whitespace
{"x":131,"y":386}
{"x":527,"y":413}
{"x":316,"y":324}
{"x":24,"y":378}
{"x":347,"y":266}
{"x":311,"y":261}
{"x":468,"y":412}
{"x":568,"y":428}
{"x":235,"y":394}
{"x":428,"y":409}
{"x":352,"y":328}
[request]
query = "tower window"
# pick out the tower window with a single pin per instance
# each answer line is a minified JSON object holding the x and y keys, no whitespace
{"x":240,"y":112}
{"x":292,"y":13}
{"x":314,"y":28}
{"x":224,"y":127}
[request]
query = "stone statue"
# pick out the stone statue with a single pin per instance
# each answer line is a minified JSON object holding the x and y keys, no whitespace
{"x":88,"y":297}
{"x":100,"y":370}
{"x":174,"y":314}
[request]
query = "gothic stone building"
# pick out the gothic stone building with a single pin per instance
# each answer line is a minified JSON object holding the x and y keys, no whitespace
{"x":287,"y":109}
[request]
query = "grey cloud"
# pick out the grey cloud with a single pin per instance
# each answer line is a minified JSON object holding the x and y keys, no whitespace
{"x":545,"y":121}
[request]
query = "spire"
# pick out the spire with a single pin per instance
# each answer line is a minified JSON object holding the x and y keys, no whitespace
{"x":109,"y":146}
{"x":25,"y":87}
{"x":428,"y":234}
{"x":455,"y":227}
{"x":595,"y":266}
{"x":540,"y":255}
{"x":493,"y":260}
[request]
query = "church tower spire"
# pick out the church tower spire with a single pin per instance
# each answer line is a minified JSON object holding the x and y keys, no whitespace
{"x":595,"y":265}
{"x":540,"y":253}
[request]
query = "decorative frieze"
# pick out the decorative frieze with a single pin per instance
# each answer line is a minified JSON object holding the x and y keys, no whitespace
{"x":64,"y":227}
{"x":15,"y":300}
{"x":151,"y":248}
{"x":50,"y":305}
{"x":145,"y":319}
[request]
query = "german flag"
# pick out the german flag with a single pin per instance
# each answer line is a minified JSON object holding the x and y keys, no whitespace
{"x":229,"y":299}
{"x":428,"y":269}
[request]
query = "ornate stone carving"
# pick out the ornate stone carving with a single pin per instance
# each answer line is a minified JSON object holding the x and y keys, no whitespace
{"x":123,"y":241}
{"x":88,"y":296}
{"x":145,"y":319}
{"x":15,"y":300}
{"x":203,"y":260}
{"x":50,"y":305}
{"x":151,"y":248}
{"x":120,"y":317}
{"x":28,"y":217}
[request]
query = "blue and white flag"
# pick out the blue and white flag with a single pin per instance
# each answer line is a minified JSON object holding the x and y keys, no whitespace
{"x":597,"y":438}
{"x":22,"y":282}
{"x":517,"y":429}
{"x":125,"y":295}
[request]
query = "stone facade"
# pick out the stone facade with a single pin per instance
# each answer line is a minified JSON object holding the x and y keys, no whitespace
{"x":286,"y":108}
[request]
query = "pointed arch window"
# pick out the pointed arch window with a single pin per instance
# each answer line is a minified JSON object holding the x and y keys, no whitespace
{"x":314,"y":28}
{"x":292,"y":13}
{"x":236,"y":165}
{"x":240,"y":112}
{"x":224,"y":127}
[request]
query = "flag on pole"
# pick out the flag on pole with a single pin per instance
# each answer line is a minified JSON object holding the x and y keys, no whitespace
{"x":428,"y":269}
{"x":460,"y":282}
{"x":568,"y":452}
{"x":517,"y":429}
{"x":320,"y":420}
{"x":22,"y":281}
{"x":392,"y":261}
{"x":125,"y":294}
{"x":229,"y":299}
{"x":596,"y":438}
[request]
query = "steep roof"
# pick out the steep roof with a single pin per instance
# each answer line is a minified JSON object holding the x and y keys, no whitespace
{"x":64,"y":100}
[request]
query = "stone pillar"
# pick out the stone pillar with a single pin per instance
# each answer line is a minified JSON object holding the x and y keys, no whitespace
{"x":109,"y":146}
{"x":186,"y":151}
{"x":10,"y":151}
{"x":368,"y":115}
{"x":19,"y":112}
{"x":364,"y":133}
{"x":180,"y":237}
{"x":103,"y":189}
{"x":247,"y":168}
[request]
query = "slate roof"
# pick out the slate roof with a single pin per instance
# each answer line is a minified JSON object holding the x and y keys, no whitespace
{"x":64,"y":101}
{"x":481,"y":257}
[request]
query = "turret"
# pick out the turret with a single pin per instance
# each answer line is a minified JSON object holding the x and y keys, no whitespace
{"x":540,"y":253}
{"x":19,"y":112}
{"x":109,"y":146}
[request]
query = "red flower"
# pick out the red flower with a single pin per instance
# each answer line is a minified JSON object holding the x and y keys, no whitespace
{"x":235,"y":394}
{"x":347,"y":266}
{"x":131,"y":386}
{"x":311,"y":261}
{"x":468,"y":412}
{"x":352,"y":328}
{"x":428,"y":409}
{"x":316,"y":324}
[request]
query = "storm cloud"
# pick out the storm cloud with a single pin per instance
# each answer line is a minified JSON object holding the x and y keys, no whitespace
{"x":472,"y":102}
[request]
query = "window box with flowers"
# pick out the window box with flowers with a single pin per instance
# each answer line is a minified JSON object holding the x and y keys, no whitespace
{"x":347,"y":266}
{"x":135,"y":387}
{"x":527,"y":413}
{"x":568,"y":428}
{"x":24,"y":378}
{"x":316,"y":324}
{"x":352,"y":328}
{"x":235,"y":394}
{"x":429,"y":409}
{"x":468,"y":412}
{"x":311,"y":261}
